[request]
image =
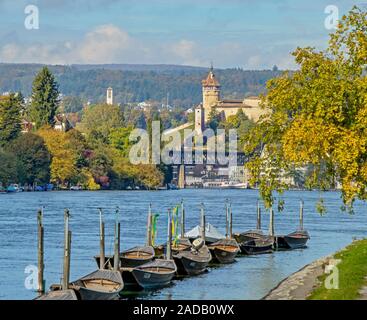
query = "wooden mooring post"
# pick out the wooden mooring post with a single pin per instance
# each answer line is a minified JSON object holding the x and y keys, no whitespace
{"x":149,"y":226}
{"x":67,"y":251}
{"x":258,"y":223}
{"x":301,"y":215}
{"x":230,"y":221}
{"x":271,"y":224}
{"x":40,"y":247}
{"x":182,"y":220}
{"x":169,"y":237}
{"x":116,"y":258}
{"x":227,"y":219}
{"x":101,"y":241}
{"x":202,"y":222}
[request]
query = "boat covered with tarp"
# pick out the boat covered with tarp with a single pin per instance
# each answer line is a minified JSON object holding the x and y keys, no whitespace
{"x":211,"y":233}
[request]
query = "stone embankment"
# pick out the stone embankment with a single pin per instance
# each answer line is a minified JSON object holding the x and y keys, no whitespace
{"x":300,"y":284}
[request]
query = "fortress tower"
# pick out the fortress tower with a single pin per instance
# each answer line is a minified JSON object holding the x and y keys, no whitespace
{"x":211,"y":93}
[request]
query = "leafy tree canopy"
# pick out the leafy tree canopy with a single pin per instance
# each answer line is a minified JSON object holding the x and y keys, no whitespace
{"x":318,"y":117}
{"x":45,"y":98}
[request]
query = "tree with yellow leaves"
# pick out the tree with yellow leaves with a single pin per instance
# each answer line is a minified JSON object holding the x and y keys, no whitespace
{"x":317,"y":118}
{"x":63,"y":156}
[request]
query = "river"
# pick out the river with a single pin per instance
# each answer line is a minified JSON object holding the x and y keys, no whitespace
{"x":248,"y":278}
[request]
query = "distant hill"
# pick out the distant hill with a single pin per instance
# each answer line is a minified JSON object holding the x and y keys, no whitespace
{"x":136,"y":83}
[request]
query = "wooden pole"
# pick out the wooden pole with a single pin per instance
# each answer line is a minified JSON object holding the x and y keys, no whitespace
{"x":227,"y":219}
{"x":258,"y":224}
{"x":67,"y":245}
{"x":271,"y":224}
{"x":301,"y":215}
{"x":116,"y":258}
{"x":41,"y":266}
{"x":230,"y":221}
{"x":149,"y":227}
{"x":169,"y":237}
{"x":101,"y":241}
{"x":202,"y":222}
{"x":182,"y":220}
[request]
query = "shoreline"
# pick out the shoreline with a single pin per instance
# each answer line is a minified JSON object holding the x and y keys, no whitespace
{"x":306,"y":283}
{"x":300,"y":284}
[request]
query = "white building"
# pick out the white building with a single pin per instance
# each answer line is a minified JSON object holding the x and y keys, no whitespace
{"x":109,"y":98}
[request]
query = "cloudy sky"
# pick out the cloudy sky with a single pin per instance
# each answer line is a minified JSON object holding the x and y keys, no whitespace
{"x":232,"y":33}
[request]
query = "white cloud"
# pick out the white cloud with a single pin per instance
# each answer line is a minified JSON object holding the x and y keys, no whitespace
{"x":106,"y":44}
{"x":111,"y":44}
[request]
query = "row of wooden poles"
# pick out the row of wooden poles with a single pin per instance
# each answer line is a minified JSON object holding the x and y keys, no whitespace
{"x":68,"y":233}
{"x":67,"y":245}
{"x":66,"y":256}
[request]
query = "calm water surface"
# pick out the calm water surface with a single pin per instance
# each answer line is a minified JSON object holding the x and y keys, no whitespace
{"x":248,"y":278}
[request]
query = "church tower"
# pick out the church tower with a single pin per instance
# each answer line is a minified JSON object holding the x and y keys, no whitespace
{"x":211,"y":93}
{"x":109,"y":98}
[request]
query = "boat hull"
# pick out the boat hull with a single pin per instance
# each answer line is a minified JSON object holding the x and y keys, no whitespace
{"x":257,"y":246}
{"x":86,"y":294}
{"x":132,"y":263}
{"x":223,"y":256}
{"x":193,"y":267}
{"x":248,"y":236}
{"x":295,"y":240}
{"x":189,"y":263}
{"x":158,"y":273}
{"x":136,"y":257}
{"x":224,"y":251}
{"x":148,"y":280}
{"x":286,"y":242}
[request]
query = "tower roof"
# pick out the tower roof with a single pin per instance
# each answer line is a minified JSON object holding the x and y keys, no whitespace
{"x":211,"y":80}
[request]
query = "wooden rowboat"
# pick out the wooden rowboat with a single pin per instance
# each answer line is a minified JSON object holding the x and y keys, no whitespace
{"x":136,"y":256}
{"x":294,"y":240}
{"x":257,"y":246}
{"x":159,"y":272}
{"x":155,"y":274}
{"x":196,"y":260}
{"x":248,"y":236}
{"x":225,"y":250}
{"x":98,"y":285}
{"x":192,"y":262}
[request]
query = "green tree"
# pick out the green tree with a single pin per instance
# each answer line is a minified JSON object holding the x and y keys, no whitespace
{"x":119,"y":139}
{"x":71,"y":104}
{"x":100,"y":120}
{"x":318,"y":117}
{"x":10,"y":111}
{"x":215,"y":119}
{"x":45,"y":99}
{"x":34,"y":158}
{"x":9,"y":167}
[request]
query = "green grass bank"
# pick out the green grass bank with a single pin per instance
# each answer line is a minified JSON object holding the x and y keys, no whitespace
{"x":352,"y":274}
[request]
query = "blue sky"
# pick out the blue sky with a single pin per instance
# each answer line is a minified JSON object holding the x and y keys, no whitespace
{"x":233,"y":33}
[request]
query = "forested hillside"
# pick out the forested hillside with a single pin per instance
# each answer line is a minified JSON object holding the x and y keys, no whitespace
{"x":136,"y":83}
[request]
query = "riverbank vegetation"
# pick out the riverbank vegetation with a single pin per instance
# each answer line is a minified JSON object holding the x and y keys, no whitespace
{"x":93,"y":156}
{"x":352,"y":271}
{"x":318,"y":118}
